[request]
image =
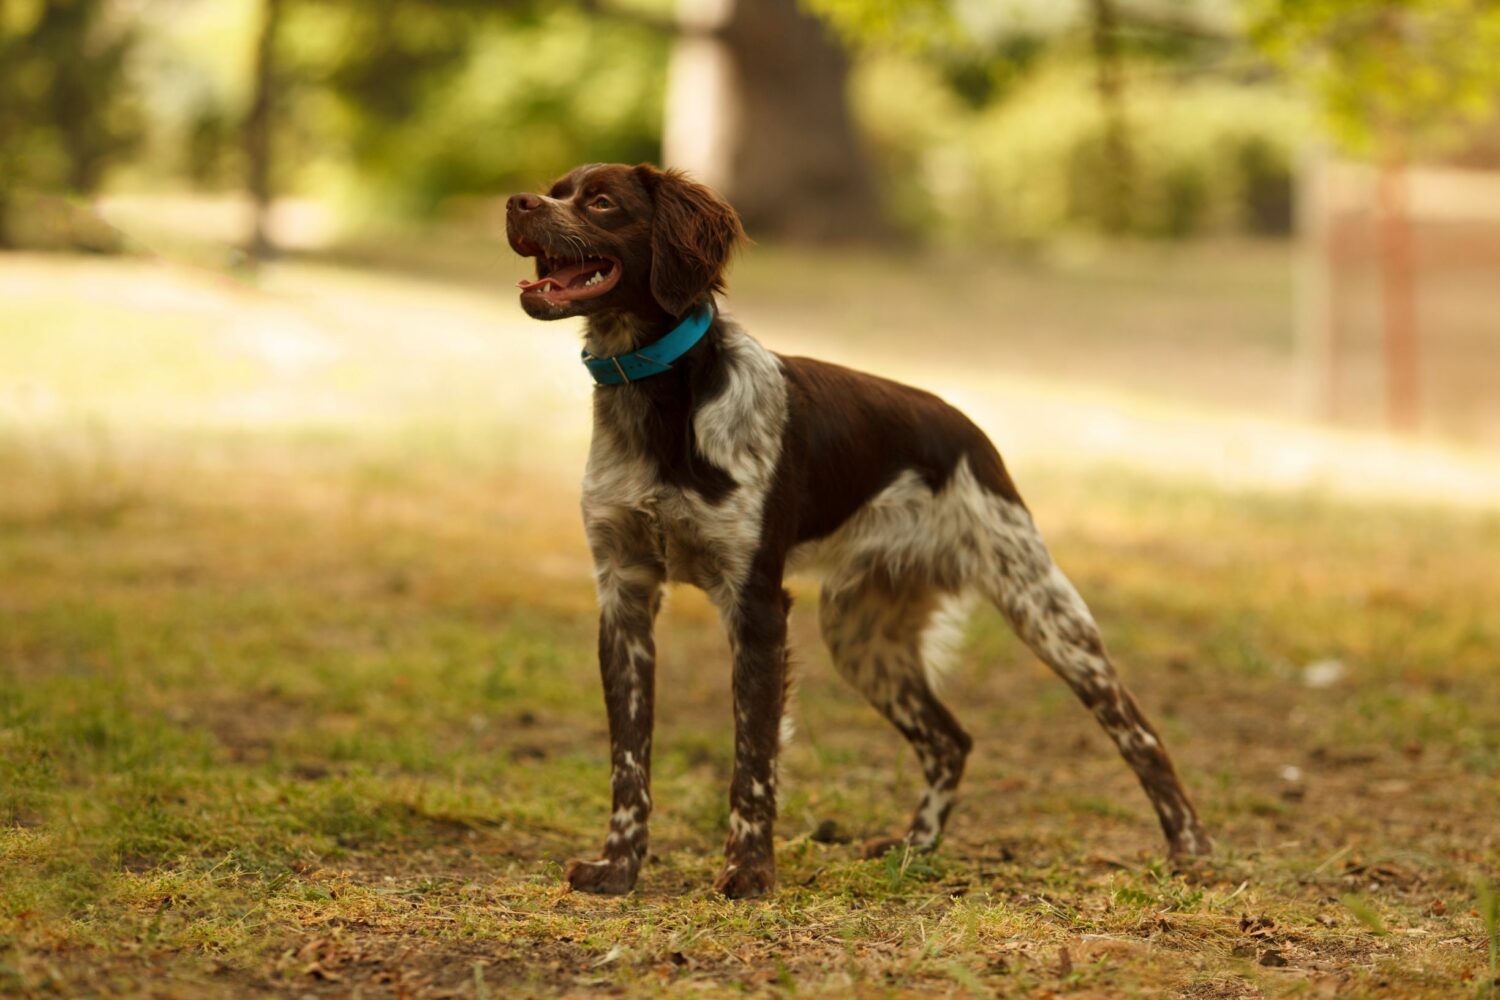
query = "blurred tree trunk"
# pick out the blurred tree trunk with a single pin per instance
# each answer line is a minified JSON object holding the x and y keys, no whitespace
{"x":10,"y":156}
{"x":1119,"y":166}
{"x":11,"y":124}
{"x":758,"y":108}
{"x":258,"y":135}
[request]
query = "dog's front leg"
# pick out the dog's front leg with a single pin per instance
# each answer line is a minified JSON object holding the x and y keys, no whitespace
{"x":630,"y":574}
{"x":757,"y":633}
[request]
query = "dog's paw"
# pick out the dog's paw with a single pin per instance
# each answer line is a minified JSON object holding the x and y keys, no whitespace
{"x":879,"y":847}
{"x":604,"y":877}
{"x":1191,"y":842}
{"x":746,"y":881}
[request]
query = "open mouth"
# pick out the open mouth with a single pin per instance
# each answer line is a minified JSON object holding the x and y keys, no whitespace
{"x":559,"y":281}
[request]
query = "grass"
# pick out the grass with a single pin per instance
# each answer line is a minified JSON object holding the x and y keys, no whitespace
{"x":307,"y":704}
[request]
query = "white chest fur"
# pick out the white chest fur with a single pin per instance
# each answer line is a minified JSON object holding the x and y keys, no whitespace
{"x":739,"y":431}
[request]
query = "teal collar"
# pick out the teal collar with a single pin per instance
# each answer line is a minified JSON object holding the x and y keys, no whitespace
{"x":653,"y":359}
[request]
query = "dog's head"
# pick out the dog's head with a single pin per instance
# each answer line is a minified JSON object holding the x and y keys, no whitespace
{"x":613,"y":238}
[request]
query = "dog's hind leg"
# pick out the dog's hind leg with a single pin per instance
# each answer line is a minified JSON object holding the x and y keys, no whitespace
{"x":875,"y":639}
{"x":1049,"y":616}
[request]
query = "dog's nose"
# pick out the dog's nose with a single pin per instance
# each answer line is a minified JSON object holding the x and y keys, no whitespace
{"x":518,"y":204}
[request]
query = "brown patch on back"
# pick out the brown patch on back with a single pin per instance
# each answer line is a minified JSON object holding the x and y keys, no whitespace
{"x":859,"y":432}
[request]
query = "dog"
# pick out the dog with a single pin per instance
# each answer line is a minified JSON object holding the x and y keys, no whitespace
{"x":718,"y":463}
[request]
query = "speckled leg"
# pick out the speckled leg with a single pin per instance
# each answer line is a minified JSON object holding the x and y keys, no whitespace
{"x":757,"y":634}
{"x":629,"y":577}
{"x":1049,"y":616}
{"x":875,"y":638}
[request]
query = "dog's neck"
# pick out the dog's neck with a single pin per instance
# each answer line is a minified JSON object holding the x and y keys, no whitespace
{"x":668,"y":393}
{"x":609,"y":334}
{"x":613,"y":333}
{"x":652,"y":420}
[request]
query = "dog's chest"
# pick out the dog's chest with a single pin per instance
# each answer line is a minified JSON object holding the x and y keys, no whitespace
{"x":707,"y":535}
{"x":707,"y":541}
{"x":706,"y":545}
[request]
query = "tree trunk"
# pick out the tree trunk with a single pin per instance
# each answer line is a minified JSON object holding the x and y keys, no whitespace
{"x":8,"y":156}
{"x":258,"y":136}
{"x":1398,"y":295}
{"x":11,"y":130}
{"x":758,"y":109}
{"x":1109,"y":82}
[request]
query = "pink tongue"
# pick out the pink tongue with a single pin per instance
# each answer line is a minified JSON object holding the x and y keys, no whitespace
{"x":564,"y":276}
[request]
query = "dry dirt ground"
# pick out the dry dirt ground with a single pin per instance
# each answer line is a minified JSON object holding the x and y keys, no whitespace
{"x":297,"y":692}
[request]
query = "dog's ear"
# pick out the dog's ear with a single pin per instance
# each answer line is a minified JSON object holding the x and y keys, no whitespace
{"x":693,"y":234}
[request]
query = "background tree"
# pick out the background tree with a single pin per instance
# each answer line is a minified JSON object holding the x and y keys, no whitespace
{"x":1396,"y":79}
{"x":987,"y":56}
{"x":260,"y":127}
{"x":1104,"y":32}
{"x":415,"y":103}
{"x":67,"y":112}
{"x":759,"y":108}
{"x":953,"y":118}
{"x":385,"y":63}
{"x":784,"y":147}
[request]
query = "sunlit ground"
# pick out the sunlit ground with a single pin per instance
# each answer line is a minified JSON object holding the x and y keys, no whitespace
{"x":296,"y":679}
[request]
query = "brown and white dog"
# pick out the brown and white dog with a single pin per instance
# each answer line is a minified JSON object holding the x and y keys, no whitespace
{"x":737,"y":465}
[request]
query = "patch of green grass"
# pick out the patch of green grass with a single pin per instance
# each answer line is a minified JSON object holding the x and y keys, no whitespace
{"x":283,"y":773}
{"x":1365,"y":914}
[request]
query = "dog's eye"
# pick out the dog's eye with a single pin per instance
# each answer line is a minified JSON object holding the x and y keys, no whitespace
{"x":601,"y":202}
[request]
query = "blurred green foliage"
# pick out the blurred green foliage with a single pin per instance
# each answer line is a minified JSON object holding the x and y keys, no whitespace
{"x":1393,"y":76}
{"x":1211,"y":155}
{"x":915,"y":25}
{"x":67,"y":112}
{"x":394,"y":108}
{"x":432,"y":102}
{"x":984,"y":121}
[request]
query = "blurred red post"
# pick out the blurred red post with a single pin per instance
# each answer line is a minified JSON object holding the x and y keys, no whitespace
{"x":1398,"y":294}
